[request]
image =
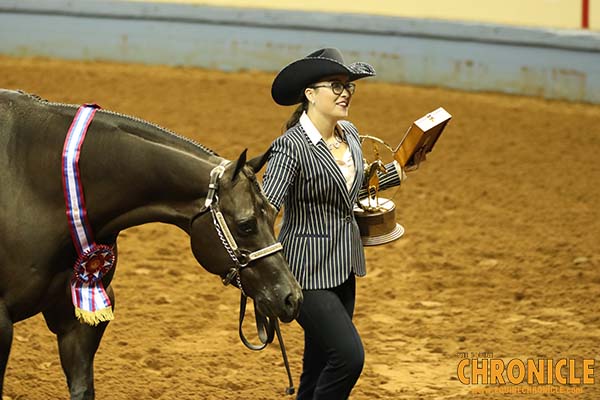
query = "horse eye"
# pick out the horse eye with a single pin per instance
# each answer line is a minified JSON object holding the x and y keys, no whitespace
{"x":247,"y":227}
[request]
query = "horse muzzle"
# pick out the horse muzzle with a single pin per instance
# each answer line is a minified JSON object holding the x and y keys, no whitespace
{"x":282,"y":304}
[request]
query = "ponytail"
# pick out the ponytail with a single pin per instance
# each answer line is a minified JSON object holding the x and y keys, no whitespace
{"x":295,"y":117}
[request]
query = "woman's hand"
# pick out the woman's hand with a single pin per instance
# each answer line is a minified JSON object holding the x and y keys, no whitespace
{"x":418,"y":158}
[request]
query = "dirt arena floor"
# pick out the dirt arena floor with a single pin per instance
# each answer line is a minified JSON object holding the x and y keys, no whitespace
{"x":500,"y":255}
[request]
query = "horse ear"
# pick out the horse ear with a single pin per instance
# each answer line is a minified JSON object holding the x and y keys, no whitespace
{"x":258,"y":162}
{"x":241,"y":161}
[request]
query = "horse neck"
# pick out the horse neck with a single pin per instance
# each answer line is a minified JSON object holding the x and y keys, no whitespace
{"x":140,"y":173}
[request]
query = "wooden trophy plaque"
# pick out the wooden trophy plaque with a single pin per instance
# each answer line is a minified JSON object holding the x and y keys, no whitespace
{"x":420,"y":138}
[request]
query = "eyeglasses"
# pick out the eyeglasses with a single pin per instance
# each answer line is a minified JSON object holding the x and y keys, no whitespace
{"x":338,"y":87}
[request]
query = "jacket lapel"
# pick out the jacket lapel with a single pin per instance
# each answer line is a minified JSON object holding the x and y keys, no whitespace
{"x":328,"y":163}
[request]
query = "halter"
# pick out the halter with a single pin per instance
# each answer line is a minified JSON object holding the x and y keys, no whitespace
{"x":241,"y":258}
{"x":266,"y":327}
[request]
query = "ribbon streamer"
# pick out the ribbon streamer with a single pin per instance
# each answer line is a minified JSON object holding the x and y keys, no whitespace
{"x":91,"y":302}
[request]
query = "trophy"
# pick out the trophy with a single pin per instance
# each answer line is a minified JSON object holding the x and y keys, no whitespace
{"x":376,"y":215}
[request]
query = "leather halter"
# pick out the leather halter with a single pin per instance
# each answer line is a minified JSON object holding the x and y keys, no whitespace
{"x":266,"y":326}
{"x":241,"y":258}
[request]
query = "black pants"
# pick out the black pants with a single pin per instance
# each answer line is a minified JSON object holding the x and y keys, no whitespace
{"x":333,"y":352}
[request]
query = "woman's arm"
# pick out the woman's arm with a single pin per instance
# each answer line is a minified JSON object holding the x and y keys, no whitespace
{"x":281,"y":171}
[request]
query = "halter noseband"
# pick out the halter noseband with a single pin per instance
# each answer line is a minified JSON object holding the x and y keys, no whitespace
{"x":240,"y":257}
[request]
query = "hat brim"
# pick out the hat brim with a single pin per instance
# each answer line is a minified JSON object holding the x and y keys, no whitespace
{"x":288,"y":86}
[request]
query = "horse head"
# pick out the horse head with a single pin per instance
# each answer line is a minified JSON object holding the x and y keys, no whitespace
{"x":239,"y":219}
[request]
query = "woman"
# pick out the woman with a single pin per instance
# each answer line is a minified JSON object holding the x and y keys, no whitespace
{"x":316,"y":171}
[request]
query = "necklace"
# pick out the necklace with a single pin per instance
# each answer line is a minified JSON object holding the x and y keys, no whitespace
{"x":335,"y":144}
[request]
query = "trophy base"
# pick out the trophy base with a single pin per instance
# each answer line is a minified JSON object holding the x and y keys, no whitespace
{"x":383,"y":239}
{"x":378,"y":226}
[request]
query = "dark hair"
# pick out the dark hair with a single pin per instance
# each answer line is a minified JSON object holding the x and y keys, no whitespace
{"x":295,"y":117}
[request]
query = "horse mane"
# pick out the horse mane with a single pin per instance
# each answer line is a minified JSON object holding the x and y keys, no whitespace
{"x":130,"y":118}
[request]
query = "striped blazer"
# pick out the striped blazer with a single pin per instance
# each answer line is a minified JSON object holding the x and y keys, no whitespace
{"x":319,"y":233}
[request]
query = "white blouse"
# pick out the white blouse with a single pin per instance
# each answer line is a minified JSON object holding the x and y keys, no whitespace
{"x":346,"y":164}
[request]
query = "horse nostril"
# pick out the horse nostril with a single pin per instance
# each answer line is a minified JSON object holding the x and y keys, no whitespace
{"x":292,"y":303}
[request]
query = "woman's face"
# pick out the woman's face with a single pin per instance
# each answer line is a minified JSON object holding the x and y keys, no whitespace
{"x":323,"y":98}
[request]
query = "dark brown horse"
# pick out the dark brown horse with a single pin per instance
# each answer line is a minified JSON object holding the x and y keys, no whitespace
{"x":133,"y":172}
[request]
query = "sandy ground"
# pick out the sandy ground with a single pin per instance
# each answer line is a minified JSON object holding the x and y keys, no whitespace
{"x":500,"y":254}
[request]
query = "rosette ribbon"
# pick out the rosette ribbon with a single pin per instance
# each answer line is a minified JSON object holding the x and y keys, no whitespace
{"x":94,"y":261}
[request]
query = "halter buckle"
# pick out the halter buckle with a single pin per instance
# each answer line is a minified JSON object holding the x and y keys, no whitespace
{"x":215,"y":174}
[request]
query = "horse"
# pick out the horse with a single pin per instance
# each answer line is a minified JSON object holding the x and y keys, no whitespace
{"x":132,"y":172}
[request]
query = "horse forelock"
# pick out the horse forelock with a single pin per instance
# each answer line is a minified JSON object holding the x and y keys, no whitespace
{"x":251,"y":175}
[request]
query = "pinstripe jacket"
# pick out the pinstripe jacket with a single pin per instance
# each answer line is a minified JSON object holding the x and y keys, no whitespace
{"x":320,"y":236}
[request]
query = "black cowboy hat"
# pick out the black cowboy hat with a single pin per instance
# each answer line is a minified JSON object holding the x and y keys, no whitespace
{"x":291,"y":81}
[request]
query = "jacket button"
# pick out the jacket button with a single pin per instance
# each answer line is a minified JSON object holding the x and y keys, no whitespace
{"x":348,"y":218}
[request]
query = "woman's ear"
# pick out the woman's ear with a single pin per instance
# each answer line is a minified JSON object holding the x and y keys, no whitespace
{"x":309,"y":93}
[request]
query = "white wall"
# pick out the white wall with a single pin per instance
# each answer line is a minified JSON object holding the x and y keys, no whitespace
{"x":558,"y":64}
{"x":565,"y":14}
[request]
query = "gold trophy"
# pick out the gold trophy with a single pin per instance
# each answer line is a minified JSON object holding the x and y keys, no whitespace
{"x":376,"y":215}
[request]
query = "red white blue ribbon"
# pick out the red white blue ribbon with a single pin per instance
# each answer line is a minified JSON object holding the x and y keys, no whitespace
{"x":91,"y":302}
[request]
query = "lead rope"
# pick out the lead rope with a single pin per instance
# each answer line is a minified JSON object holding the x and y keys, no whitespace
{"x":266,"y":328}
{"x":290,"y":390}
